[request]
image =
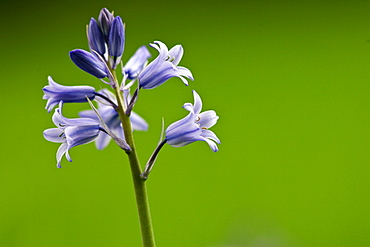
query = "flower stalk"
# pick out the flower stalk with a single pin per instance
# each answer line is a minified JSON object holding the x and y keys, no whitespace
{"x":141,"y":194}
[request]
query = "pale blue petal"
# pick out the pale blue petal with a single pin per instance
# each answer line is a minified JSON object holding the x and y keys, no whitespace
{"x":176,"y":54}
{"x":88,"y":114}
{"x":54,"y":135}
{"x":183,"y":135}
{"x":182,"y":71}
{"x":188,"y":119}
{"x":189,"y":107}
{"x":51,"y":103}
{"x":212,"y":145}
{"x":210,"y":135}
{"x":61,"y":122}
{"x":78,"y":135}
{"x":154,"y":76}
{"x":197,"y":103}
{"x":156,"y":64}
{"x":61,"y":151}
{"x":207,"y":119}
{"x":118,"y":131}
{"x":102,"y":141}
{"x":136,"y":63}
{"x":138,"y":123}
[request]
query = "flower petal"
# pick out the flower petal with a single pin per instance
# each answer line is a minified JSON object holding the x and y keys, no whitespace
{"x":188,"y":119}
{"x":207,"y":119}
{"x":136,"y":63}
{"x":183,"y":135}
{"x":138,"y":123}
{"x":102,"y":141}
{"x":211,"y":144}
{"x":197,"y":103}
{"x":78,"y":135}
{"x":88,"y":114}
{"x":176,"y":54}
{"x":54,"y":135}
{"x":61,"y":151}
{"x":210,"y":135}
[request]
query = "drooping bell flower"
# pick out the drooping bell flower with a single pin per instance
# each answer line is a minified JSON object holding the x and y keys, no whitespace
{"x":71,"y":132}
{"x":55,"y":92}
{"x":164,"y":67}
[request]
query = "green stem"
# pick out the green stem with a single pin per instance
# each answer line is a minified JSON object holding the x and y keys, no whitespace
{"x":142,"y":201}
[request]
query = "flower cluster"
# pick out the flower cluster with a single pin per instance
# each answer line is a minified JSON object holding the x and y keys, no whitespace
{"x":103,"y":60}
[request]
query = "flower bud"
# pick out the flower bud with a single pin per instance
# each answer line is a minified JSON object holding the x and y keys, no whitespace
{"x":116,"y":41}
{"x":96,"y":37}
{"x":89,"y":63}
{"x":105,"y":20}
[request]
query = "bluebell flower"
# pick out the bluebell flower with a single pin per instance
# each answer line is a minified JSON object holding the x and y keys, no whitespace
{"x":89,"y":63}
{"x":105,"y":20}
{"x":116,"y":41}
{"x":194,"y":127}
{"x":136,"y":63}
{"x":55,"y":92}
{"x":164,"y":67}
{"x":112,"y":120}
{"x":71,"y":133}
{"x":96,"y":38}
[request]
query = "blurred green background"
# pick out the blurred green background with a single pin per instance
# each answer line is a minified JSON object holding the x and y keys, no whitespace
{"x":289,"y":80}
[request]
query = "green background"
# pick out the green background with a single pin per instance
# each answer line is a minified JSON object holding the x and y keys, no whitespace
{"x":289,"y":80}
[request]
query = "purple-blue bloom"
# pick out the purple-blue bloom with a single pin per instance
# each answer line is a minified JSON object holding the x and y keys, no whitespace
{"x":96,"y":38}
{"x":164,"y":67}
{"x":136,"y":63}
{"x":89,"y":63}
{"x":112,"y":120}
{"x":116,"y":41}
{"x":55,"y":92}
{"x":194,"y":127}
{"x":71,"y":132}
